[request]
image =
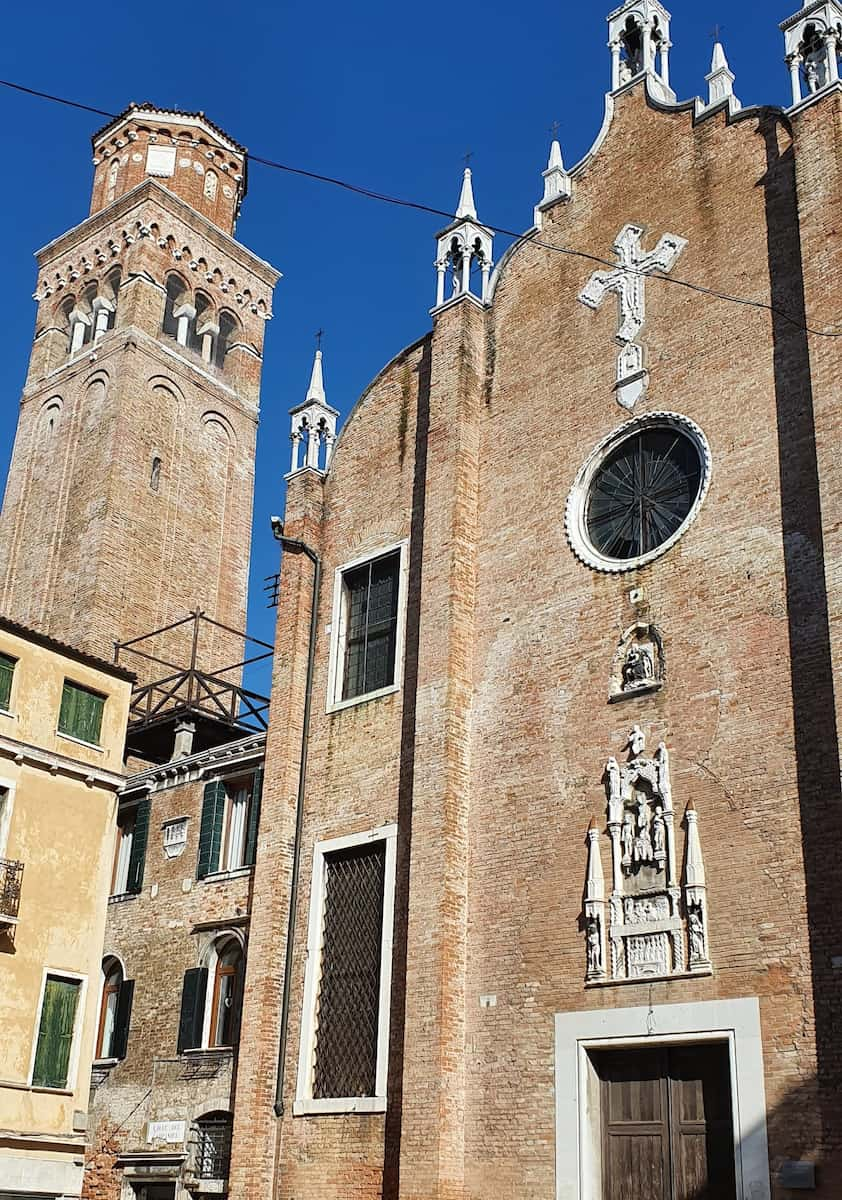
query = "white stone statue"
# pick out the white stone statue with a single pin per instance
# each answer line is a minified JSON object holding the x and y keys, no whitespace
{"x":637,"y":741}
{"x":697,"y":931}
{"x":594,"y":946}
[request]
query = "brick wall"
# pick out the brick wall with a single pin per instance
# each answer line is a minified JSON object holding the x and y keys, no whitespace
{"x":492,"y":755}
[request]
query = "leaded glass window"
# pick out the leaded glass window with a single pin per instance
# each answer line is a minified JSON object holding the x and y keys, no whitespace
{"x":348,"y":1004}
{"x":643,"y":492}
{"x":371,"y":622}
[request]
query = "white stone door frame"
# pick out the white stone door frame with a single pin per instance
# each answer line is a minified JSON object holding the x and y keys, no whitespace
{"x":735,"y":1022}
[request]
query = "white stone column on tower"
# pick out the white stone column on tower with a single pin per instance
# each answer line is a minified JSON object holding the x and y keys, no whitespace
{"x":465,"y":244}
{"x":102,"y":308}
{"x":313,"y":425}
{"x":812,"y":46}
{"x":640,"y":31}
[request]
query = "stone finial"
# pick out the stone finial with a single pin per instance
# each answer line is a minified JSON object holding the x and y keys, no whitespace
{"x":466,"y":206}
{"x":720,"y":81}
{"x":313,"y":426}
{"x":694,"y":867}
{"x":557,"y":183}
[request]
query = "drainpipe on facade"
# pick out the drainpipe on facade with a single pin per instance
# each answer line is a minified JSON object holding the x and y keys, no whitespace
{"x":295,"y":546}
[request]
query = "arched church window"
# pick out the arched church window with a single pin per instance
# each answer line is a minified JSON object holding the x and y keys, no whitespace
{"x":632,"y":39}
{"x":203,"y":312}
{"x":228,"y":325}
{"x":211,"y":184}
{"x":176,"y":319}
{"x":155,"y":474}
{"x":112,"y":177}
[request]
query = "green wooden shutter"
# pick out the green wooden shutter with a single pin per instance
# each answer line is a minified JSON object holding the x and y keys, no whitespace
{"x":55,"y":1033}
{"x":192,"y":1017}
{"x":122,"y":1019}
{"x":137,"y":858}
{"x":80,"y":715}
{"x":7,"y":670}
{"x":254,"y":817}
{"x":210,"y":832}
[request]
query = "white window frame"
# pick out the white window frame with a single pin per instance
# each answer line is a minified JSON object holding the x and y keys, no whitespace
{"x":78,"y":1026}
{"x":210,"y":960}
{"x":305,"y":1104}
{"x":8,"y":787}
{"x":735,"y":1022}
{"x":338,"y":629}
{"x":129,"y":808}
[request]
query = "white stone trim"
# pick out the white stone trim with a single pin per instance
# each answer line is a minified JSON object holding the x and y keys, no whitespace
{"x":22,"y":752}
{"x":736,"y":1022}
{"x":7,"y":804}
{"x":25,"y":1174}
{"x":78,"y":1027}
{"x":338,"y":623}
{"x":304,"y":1103}
{"x":576,"y":508}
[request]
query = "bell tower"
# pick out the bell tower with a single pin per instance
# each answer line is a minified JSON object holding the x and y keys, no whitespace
{"x":129,"y":495}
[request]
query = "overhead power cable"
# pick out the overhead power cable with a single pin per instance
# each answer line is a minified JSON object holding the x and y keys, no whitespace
{"x":418,"y":206}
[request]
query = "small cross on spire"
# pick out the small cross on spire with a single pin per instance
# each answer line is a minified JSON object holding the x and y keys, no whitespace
{"x":319,"y":335}
{"x":716,"y":32}
{"x":554,"y":128}
{"x":467,"y":156}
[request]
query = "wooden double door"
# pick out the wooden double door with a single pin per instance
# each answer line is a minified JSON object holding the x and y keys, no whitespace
{"x":666,"y":1123}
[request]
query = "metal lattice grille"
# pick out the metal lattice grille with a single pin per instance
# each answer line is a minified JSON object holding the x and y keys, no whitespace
{"x":643,"y":492}
{"x":349,"y":992}
{"x":372,"y":598}
{"x":213,"y":1147}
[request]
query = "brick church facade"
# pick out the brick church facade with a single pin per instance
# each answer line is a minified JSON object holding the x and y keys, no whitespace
{"x":571,"y":715}
{"x":536,"y":869}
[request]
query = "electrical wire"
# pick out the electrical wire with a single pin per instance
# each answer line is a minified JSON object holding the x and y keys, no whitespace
{"x":418,"y":206}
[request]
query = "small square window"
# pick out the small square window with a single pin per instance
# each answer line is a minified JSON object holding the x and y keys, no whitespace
{"x":7,"y":671}
{"x":81,"y":713}
{"x":367,"y":633}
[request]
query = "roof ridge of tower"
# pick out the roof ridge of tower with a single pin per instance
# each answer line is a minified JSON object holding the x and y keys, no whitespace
{"x":149,"y":107}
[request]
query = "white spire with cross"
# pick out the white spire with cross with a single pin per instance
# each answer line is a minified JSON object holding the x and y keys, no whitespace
{"x":313,"y":423}
{"x":627,"y":281}
{"x":465,"y":250}
{"x":720,"y":82}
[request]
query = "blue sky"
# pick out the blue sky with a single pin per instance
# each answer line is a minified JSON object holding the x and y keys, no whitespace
{"x":385,"y":95}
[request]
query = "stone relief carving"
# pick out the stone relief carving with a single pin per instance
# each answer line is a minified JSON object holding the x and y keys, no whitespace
{"x":655,"y":924}
{"x":639,"y":664}
{"x":627,"y":281}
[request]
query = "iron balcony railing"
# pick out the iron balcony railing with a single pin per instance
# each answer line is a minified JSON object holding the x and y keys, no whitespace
{"x":11,"y":876}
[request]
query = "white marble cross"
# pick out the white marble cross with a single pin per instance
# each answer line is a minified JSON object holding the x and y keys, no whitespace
{"x":627,"y":282}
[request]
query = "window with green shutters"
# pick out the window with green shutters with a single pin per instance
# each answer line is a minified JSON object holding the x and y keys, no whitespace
{"x":7,"y":670}
{"x":55,"y":1032}
{"x":81,"y":713}
{"x":229,"y":826}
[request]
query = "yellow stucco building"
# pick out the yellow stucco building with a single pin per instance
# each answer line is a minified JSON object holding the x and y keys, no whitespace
{"x":63,"y":720}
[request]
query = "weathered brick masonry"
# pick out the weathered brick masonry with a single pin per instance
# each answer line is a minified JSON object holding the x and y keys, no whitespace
{"x":96,"y":544}
{"x":491,"y":755}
